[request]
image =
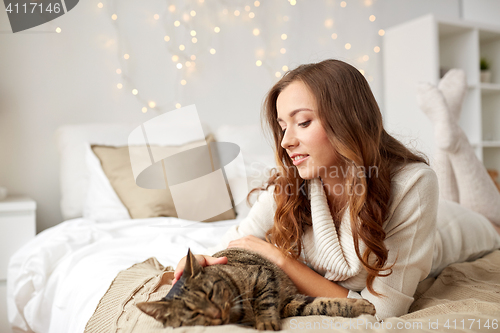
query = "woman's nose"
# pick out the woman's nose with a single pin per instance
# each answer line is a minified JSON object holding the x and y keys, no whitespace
{"x":289,"y":140}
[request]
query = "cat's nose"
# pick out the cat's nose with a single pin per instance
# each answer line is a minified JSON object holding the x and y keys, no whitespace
{"x":214,"y":313}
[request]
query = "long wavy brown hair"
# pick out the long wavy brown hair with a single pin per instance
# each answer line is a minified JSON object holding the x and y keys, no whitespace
{"x":352,"y":121}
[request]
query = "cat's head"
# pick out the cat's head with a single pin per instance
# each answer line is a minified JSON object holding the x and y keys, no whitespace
{"x":200,"y":297}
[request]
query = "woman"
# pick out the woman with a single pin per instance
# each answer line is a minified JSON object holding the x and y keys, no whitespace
{"x":350,"y":211}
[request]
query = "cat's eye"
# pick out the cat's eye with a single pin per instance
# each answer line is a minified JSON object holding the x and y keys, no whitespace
{"x":211,"y":293}
{"x":195,"y":314}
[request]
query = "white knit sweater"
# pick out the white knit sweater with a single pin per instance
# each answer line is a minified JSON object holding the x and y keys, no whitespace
{"x":410,"y":236}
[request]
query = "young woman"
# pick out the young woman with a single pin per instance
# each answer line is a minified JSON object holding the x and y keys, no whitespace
{"x":350,"y":211}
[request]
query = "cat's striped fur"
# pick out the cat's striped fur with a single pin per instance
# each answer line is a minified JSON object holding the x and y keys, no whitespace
{"x":248,"y":290}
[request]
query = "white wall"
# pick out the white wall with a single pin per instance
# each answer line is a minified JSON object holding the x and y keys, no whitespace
{"x":49,"y":79}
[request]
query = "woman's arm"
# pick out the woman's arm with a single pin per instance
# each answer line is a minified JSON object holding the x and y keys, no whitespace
{"x":307,"y":281}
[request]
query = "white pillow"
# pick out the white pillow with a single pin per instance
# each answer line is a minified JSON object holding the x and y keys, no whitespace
{"x":257,"y":152}
{"x":102,"y":203}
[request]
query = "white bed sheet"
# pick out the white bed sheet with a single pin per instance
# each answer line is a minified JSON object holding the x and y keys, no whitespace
{"x":56,"y":281}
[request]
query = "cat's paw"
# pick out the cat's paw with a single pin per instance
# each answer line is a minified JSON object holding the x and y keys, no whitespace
{"x":268,"y":325}
{"x":362,"y":306}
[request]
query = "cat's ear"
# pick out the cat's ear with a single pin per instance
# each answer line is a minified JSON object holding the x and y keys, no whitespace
{"x":192,"y":267}
{"x":157,"y":310}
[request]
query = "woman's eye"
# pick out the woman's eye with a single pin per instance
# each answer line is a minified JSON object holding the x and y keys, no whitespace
{"x":305,"y":123}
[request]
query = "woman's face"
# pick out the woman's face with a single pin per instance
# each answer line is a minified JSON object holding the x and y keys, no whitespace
{"x":304,"y":135}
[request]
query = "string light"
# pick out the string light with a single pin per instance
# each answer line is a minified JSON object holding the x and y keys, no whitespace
{"x":178,"y":105}
{"x":362,"y":71}
{"x":58,"y":30}
{"x":144,"y":109}
{"x":100,"y":5}
{"x":262,"y":54}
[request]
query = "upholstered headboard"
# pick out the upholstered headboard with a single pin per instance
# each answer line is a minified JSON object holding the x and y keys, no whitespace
{"x":71,"y":140}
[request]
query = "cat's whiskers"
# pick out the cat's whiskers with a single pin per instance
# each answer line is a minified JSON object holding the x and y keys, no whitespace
{"x":241,"y":295}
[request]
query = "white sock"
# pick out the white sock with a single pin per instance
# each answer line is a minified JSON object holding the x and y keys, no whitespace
{"x":454,"y":87}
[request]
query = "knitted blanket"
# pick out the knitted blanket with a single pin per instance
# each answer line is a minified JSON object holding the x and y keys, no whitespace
{"x":465,"y":297}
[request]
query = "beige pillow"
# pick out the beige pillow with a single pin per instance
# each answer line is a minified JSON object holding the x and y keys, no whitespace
{"x":141,"y":202}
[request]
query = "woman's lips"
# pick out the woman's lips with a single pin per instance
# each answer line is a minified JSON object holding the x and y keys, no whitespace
{"x":297,"y":162}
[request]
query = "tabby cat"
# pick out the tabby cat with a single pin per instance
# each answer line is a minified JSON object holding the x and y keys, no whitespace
{"x":248,"y":290}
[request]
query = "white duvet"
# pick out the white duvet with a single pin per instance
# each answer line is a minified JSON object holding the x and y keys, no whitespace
{"x":56,"y":281}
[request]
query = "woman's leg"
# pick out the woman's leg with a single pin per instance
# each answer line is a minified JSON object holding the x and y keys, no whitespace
{"x":475,"y":187}
{"x":448,"y":188}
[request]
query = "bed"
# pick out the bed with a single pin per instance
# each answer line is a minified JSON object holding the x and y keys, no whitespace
{"x":68,"y":278}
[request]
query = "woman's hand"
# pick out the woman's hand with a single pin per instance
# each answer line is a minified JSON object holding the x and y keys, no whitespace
{"x":203,"y":260}
{"x":260,"y":246}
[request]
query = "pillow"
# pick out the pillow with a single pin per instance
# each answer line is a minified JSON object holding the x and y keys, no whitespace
{"x":258,"y":156}
{"x":101,"y":203}
{"x":141,"y":202}
{"x":71,"y":141}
